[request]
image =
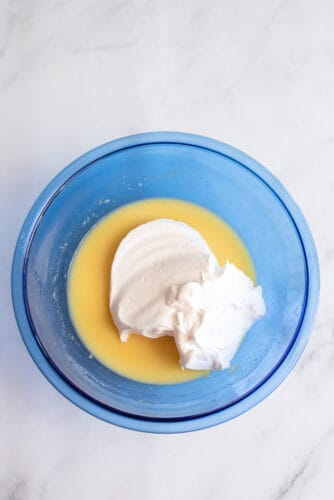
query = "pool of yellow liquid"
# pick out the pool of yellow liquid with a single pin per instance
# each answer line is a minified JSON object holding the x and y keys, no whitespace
{"x":140,"y":358}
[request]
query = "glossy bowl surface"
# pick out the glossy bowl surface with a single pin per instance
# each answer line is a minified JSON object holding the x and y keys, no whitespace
{"x":195,"y":169}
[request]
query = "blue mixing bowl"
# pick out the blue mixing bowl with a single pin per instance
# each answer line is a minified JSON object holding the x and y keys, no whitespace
{"x":202,"y":171}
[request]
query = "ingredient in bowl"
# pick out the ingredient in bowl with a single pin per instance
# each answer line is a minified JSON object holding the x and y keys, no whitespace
{"x":166,"y":281}
{"x":150,"y":361}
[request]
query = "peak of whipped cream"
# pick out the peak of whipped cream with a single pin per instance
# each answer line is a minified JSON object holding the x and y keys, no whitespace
{"x":166,"y":281}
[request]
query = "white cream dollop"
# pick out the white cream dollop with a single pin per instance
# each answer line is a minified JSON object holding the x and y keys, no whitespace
{"x":166,"y":281}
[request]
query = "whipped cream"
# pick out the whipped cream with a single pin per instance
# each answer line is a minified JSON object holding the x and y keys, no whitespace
{"x":166,"y":281}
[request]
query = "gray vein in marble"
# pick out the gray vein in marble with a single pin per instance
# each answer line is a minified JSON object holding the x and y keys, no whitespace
{"x":309,"y":357}
{"x":317,"y":353}
{"x":292,"y":481}
{"x":39,"y":55}
{"x":298,"y":477}
{"x":17,"y":490}
{"x":16,"y":15}
{"x":6,"y":34}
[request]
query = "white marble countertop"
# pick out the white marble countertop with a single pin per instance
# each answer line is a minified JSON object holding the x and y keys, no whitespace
{"x":258,"y":75}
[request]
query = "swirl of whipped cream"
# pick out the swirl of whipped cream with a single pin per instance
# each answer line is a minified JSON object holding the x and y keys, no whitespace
{"x":166,"y":281}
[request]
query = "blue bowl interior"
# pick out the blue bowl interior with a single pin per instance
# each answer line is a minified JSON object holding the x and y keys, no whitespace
{"x":192,"y":173}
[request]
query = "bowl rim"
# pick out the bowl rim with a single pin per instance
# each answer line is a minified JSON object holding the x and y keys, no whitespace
{"x":189,"y":424}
